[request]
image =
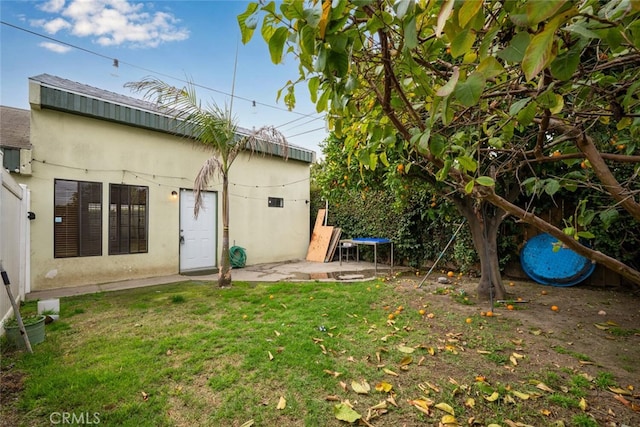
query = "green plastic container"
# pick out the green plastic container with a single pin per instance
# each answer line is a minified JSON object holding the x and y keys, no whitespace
{"x":35,"y":331}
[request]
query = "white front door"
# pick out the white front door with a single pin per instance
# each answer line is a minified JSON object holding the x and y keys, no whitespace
{"x":198,"y":236}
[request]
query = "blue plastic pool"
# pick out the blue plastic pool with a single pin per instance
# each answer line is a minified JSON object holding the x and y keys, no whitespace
{"x":561,"y":268}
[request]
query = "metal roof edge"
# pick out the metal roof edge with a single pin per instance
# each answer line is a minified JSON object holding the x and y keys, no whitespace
{"x":65,"y":95}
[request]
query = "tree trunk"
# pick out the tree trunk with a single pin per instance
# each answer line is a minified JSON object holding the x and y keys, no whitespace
{"x":484,"y":223}
{"x":224,"y":278}
{"x":542,"y":225}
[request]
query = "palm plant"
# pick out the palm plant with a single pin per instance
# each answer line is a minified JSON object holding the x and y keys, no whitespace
{"x":216,"y":128}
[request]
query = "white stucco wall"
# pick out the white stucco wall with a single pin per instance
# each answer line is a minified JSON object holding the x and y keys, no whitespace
{"x":73,"y":147}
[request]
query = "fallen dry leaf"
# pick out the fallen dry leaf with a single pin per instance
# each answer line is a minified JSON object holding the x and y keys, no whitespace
{"x":622,"y":391}
{"x":407,"y":360}
{"x":282,"y":403}
{"x":361,"y":388}
{"x":494,"y":396}
{"x":390,"y":372}
{"x":248,"y":423}
{"x":583,"y":404}
{"x":333,"y":373}
{"x":344,"y":412}
{"x":270,"y":356}
{"x":449,"y":420}
{"x":445,"y":407}
{"x":521,"y":395}
{"x":384,"y":386}
{"x":405,"y":349}
{"x":544,"y":387}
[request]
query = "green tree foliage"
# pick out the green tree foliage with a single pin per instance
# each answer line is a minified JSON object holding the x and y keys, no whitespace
{"x":476,"y":98}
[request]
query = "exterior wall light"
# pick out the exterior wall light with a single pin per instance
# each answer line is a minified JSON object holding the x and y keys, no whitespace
{"x":174,"y":195}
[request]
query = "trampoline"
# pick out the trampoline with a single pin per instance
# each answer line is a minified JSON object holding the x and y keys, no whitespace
{"x":554,"y":268}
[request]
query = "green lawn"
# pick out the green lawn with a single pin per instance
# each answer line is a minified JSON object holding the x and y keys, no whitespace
{"x":283,"y":354}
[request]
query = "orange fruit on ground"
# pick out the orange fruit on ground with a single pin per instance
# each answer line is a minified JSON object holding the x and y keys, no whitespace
{"x":510,"y":307}
{"x":391,"y":316}
{"x":270,"y":296}
{"x":400,"y":308}
{"x":554,"y":308}
{"x":511,"y":284}
{"x":421,"y":312}
{"x":468,"y":320}
{"x":451,"y":274}
{"x":543,"y":292}
{"x":489,"y":313}
{"x":480,"y":378}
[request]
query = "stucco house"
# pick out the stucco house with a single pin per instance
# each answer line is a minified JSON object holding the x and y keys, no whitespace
{"x":111,"y":189}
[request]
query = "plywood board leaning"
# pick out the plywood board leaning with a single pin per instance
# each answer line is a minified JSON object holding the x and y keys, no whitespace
{"x":335,"y":239}
{"x":320,"y":240}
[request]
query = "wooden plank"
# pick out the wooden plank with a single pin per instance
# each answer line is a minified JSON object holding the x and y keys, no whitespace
{"x":335,"y":239}
{"x":319,"y":219}
{"x":320,"y":240}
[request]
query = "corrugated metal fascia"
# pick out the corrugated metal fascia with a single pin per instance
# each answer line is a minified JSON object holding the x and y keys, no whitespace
{"x":76,"y":103}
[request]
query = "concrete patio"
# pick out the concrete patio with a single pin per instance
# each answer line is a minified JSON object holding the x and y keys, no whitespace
{"x":294,"y":271}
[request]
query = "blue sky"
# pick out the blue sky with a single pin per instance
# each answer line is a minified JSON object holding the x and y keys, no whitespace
{"x":171,"y":40}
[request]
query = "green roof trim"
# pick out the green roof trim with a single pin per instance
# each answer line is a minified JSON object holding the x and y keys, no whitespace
{"x":75,"y":98}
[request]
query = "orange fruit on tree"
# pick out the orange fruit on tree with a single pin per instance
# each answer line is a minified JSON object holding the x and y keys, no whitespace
{"x":621,"y":147}
{"x":556,"y":153}
{"x":554,"y":308}
{"x":400,"y":168}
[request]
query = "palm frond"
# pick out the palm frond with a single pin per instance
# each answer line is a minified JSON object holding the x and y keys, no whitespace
{"x":267,"y":140}
{"x":211,"y":167}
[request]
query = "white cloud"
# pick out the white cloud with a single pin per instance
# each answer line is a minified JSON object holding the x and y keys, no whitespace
{"x":54,"y":25}
{"x":112,"y":22}
{"x":55,"y":47}
{"x":52,"y":6}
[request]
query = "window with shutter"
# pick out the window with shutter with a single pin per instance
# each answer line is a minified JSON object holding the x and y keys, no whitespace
{"x":128,"y":217}
{"x":77,"y":224}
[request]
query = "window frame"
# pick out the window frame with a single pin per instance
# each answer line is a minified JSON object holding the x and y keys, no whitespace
{"x":84,"y":237}
{"x":128,"y":226}
{"x":275,"y":202}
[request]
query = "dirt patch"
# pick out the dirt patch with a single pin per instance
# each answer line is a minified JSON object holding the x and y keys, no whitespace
{"x":588,"y":331}
{"x":11,"y":386}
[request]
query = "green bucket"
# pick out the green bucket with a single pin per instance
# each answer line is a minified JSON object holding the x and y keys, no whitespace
{"x":35,"y":331}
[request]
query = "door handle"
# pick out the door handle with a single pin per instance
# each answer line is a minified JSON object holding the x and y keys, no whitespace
{"x":181,"y":238}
